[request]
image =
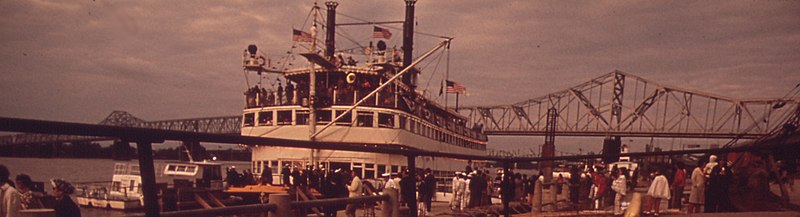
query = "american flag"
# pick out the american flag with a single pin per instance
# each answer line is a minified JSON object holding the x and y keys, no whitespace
{"x":455,"y":87}
{"x":300,"y":36}
{"x":378,"y":32}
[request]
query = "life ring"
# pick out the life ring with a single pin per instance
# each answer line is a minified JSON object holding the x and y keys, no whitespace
{"x":351,"y":78}
{"x":261,"y":61}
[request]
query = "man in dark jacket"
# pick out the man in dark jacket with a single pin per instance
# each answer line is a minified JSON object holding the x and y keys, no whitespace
{"x":408,"y":188}
{"x":427,"y":188}
{"x":507,"y":188}
{"x":285,"y":174}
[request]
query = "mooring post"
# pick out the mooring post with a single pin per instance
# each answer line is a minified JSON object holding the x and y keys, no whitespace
{"x":283,"y":205}
{"x":412,"y":171}
{"x":554,"y":194}
{"x":391,"y":206}
{"x":536,"y":206}
{"x":148,"y":172}
{"x":635,"y":207}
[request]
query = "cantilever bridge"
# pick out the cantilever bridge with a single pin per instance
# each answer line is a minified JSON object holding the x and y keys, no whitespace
{"x":614,"y":104}
{"x":622,"y":104}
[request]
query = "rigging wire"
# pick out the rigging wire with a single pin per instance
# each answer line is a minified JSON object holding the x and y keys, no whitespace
{"x":395,"y":28}
{"x":435,"y":69}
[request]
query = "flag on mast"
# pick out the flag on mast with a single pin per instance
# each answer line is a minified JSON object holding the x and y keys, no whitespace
{"x":300,"y":36}
{"x":455,"y":87}
{"x":378,"y":32}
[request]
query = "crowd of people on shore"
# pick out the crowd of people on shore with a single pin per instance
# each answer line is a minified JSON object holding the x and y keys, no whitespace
{"x":22,"y":194}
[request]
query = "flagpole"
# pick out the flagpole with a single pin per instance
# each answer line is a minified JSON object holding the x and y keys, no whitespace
{"x":457,"y":101}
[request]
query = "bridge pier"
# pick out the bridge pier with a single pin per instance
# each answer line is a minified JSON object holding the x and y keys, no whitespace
{"x":121,"y":150}
{"x":412,"y":171}
{"x":148,"y":173}
{"x":611,"y":149}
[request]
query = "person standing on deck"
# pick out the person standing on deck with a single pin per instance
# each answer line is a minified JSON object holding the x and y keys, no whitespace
{"x":620,"y":187}
{"x":64,"y":207}
{"x":599,"y":182}
{"x":280,"y":94}
{"x":290,"y":93}
{"x":426,"y":190}
{"x":355,"y":190}
{"x":454,"y":201}
{"x":678,"y":183}
{"x":697,"y":195}
{"x":462,"y":191}
{"x":407,"y":186}
{"x":659,"y":189}
{"x":9,"y":196}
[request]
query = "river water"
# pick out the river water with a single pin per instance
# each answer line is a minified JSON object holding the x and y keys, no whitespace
{"x":77,"y":170}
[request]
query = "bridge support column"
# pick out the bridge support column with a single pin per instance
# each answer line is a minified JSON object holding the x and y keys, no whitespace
{"x":506,"y":209}
{"x":412,"y":171}
{"x":611,"y":149}
{"x":148,"y":179}
{"x":121,"y":150}
{"x":549,"y":147}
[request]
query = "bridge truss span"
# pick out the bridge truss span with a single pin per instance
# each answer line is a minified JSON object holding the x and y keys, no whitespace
{"x":621,"y":104}
{"x":215,"y":125}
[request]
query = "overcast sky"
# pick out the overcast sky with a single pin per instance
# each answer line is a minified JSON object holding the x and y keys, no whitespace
{"x":79,"y":60}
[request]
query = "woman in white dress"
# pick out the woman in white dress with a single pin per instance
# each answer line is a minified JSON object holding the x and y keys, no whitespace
{"x":659,"y":190}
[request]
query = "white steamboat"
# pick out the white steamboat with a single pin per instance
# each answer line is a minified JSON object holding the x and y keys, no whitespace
{"x":337,"y":99}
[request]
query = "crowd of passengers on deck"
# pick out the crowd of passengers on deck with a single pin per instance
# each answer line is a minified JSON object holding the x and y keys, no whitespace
{"x":339,"y":93}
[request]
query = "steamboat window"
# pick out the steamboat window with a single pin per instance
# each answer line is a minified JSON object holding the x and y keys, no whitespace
{"x":346,"y":120}
{"x":301,"y":117}
{"x":364,"y":119}
{"x":358,"y":168}
{"x":369,"y":171}
{"x":381,"y":169}
{"x":323,"y":117}
{"x":385,"y":120}
{"x":395,"y":169}
{"x":403,"y":122}
{"x":339,"y":165}
{"x":249,"y":118}
{"x":284,"y":117}
{"x":265,"y":118}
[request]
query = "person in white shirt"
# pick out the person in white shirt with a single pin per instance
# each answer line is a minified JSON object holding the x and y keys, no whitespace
{"x":619,"y":186}
{"x":355,"y":189}
{"x":9,"y":196}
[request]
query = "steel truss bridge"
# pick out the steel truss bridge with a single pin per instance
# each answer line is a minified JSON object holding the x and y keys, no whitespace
{"x":622,"y":104}
{"x":614,"y":104}
{"x":215,"y":125}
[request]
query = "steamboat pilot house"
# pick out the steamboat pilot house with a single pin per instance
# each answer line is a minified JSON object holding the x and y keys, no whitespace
{"x":396,"y":115}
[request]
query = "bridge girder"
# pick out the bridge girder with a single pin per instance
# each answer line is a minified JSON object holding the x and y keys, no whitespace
{"x":217,"y":125}
{"x":601,"y":107}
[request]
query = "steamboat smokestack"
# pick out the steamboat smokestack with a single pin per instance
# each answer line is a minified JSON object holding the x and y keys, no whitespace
{"x":408,"y":41}
{"x":330,"y":33}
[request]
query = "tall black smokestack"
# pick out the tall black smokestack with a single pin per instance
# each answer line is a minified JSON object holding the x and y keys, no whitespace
{"x":408,"y":41}
{"x":330,"y":33}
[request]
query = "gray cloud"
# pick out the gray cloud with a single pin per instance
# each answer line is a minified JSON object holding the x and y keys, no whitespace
{"x":77,"y":61}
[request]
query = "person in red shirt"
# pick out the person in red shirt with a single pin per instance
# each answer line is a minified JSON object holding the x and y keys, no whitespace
{"x":599,"y":182}
{"x":678,"y":183}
